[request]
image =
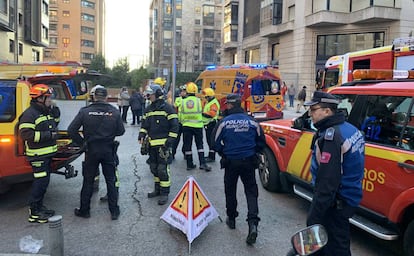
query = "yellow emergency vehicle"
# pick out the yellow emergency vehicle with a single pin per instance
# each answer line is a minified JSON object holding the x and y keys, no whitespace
{"x":258,"y":85}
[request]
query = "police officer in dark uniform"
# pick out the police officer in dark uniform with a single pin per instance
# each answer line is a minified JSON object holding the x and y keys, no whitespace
{"x":337,"y":170}
{"x":38,"y":129}
{"x":101,"y":124}
{"x":160,"y":127}
{"x":237,"y":139}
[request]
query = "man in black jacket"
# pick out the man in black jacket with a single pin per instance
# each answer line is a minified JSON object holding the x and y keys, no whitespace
{"x":101,"y":124}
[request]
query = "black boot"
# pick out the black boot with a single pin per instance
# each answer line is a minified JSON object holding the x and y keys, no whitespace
{"x":190,"y":164}
{"x":231,"y":222}
{"x":164,"y":195}
{"x":36,"y":215}
{"x":251,"y":237}
{"x":211,"y":157}
{"x":156,"y":191}
{"x":203,"y":165}
{"x":47,"y":211}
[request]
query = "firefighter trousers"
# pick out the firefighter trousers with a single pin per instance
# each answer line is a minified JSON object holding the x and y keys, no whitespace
{"x":41,"y":172}
{"x":159,"y":166}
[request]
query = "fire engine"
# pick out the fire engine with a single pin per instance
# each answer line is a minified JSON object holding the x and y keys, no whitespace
{"x":384,"y":111}
{"x":339,"y":69}
{"x":14,"y":99}
{"x":258,"y":85}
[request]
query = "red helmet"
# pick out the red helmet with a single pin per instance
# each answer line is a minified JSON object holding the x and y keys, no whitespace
{"x":40,"y":90}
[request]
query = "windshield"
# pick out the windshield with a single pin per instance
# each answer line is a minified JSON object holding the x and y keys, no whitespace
{"x":265,"y":87}
{"x":7,"y":101}
{"x":331,"y":78}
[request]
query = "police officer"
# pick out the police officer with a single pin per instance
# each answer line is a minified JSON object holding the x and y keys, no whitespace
{"x":337,"y":170}
{"x":101,"y":123}
{"x":192,"y":121}
{"x":211,"y":113}
{"x":177,"y":105}
{"x":237,"y":139}
{"x":38,"y":129}
{"x":160,"y":127}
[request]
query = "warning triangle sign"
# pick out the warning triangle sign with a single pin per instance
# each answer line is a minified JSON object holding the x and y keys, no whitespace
{"x":190,"y":211}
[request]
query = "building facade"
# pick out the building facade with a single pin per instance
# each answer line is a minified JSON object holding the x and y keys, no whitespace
{"x":300,"y":36}
{"x":24,"y":30}
{"x":76,"y":30}
{"x":197,"y":34}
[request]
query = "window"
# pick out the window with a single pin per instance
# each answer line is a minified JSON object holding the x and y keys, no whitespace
{"x":66,"y":1}
{"x":209,"y":52}
{"x":45,"y":8}
{"x":7,"y":101}
{"x":35,"y":55}
{"x":53,"y":40}
{"x":3,"y":6}
{"x":208,"y":15}
{"x":87,"y":17}
{"x":20,"y":19}
{"x":53,"y":27}
{"x":197,"y":10}
{"x":65,"y":41}
{"x":88,"y":30}
{"x":11,"y":45}
{"x":197,"y":21}
{"x":66,"y":13}
{"x":87,"y":43}
{"x":20,"y":49}
{"x":209,"y":33}
{"x":66,"y":26}
{"x":65,"y":54}
{"x":45,"y":32}
{"x":87,"y":56}
{"x":88,"y":4}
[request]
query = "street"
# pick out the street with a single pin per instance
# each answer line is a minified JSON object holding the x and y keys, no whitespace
{"x":139,"y":230}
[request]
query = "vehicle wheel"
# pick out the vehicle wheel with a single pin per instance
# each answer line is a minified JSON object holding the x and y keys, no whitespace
{"x":408,"y":243}
{"x":269,"y":171}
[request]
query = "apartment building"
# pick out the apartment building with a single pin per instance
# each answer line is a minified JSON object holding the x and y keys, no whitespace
{"x":300,"y":36}
{"x":76,"y":30}
{"x":24,"y":30}
{"x":197,"y":33}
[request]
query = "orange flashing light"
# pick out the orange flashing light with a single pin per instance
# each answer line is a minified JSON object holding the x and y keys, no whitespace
{"x":382,"y":74}
{"x":5,"y":140}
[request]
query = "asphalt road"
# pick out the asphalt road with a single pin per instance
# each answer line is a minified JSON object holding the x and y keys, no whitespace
{"x":139,"y":230}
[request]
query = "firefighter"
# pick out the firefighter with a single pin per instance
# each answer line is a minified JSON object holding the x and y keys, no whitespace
{"x":160,"y":128}
{"x":192,"y":121}
{"x":101,"y":123}
{"x":211,"y":113}
{"x":38,"y":129}
{"x":177,"y":105}
{"x":160,"y":81}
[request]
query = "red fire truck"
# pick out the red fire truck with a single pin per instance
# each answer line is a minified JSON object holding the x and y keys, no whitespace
{"x":339,"y":69}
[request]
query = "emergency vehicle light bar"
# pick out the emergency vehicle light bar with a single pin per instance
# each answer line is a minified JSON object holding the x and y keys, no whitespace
{"x":382,"y":74}
{"x":403,"y":41}
{"x":244,"y":65}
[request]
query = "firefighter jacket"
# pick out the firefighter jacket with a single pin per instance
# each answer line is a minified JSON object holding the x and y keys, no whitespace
{"x":37,"y":128}
{"x":159,"y":123}
{"x":101,"y":124}
{"x":211,"y":111}
{"x":177,"y":105}
{"x":337,"y":165}
{"x":191,"y":112}
{"x":238,"y":135}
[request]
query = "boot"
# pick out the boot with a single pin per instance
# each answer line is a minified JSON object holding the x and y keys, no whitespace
{"x":203,"y":165}
{"x":190,"y":164}
{"x":156,"y":191}
{"x":47,"y":211}
{"x":231,"y":222}
{"x":164,"y":195}
{"x":211,"y":157}
{"x":35,"y":215}
{"x":83,"y":214}
{"x":251,"y":237}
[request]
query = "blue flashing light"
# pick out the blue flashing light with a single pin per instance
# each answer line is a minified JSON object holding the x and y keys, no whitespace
{"x":213,"y":67}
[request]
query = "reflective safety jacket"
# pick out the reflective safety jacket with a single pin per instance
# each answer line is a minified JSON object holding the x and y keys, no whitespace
{"x":159,"y":123}
{"x":177,"y":105}
{"x":211,"y":111}
{"x":191,"y":112}
{"x":36,"y":125}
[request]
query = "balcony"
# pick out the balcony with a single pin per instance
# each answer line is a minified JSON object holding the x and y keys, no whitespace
{"x":375,"y":14}
{"x":276,"y":30}
{"x":327,"y":18}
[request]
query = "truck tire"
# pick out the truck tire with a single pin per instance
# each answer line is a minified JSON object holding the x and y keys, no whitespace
{"x":269,"y":171}
{"x":408,"y":243}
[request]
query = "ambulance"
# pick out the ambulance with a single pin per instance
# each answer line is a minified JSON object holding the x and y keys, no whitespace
{"x":14,"y":99}
{"x":384,"y":111}
{"x":258,"y":85}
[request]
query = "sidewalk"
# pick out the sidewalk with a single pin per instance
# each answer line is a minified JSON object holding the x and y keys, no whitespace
{"x":290,"y":112}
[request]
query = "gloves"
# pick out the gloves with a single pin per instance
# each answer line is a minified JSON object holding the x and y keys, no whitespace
{"x":54,"y":111}
{"x":169,"y":142}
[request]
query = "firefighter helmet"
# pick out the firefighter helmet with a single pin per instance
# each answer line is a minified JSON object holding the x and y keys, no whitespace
{"x":154,"y":89}
{"x":191,"y":87}
{"x":208,"y":92}
{"x":40,"y":90}
{"x":160,"y":81}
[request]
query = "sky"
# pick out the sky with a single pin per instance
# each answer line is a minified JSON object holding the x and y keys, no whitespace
{"x":127,"y":31}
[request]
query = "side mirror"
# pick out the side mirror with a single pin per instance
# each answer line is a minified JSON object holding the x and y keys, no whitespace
{"x":298,"y":123}
{"x":310,"y":240}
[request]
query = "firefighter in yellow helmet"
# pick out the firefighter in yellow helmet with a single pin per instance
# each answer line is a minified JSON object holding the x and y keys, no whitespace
{"x":192,"y":122}
{"x":160,"y":81}
{"x":38,"y":129}
{"x":211,"y":113}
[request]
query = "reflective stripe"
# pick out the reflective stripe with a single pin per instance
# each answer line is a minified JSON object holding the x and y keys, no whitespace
{"x":40,"y":151}
{"x":166,"y":184}
{"x":116,"y":177}
{"x":36,"y":136}
{"x":37,"y":163}
{"x":143,"y":130}
{"x":27,"y":125}
{"x":156,"y":179}
{"x":173,"y":134}
{"x":57,"y":120}
{"x":157,"y":113}
{"x":42,"y":119}
{"x":40,"y":174}
{"x":158,"y":142}
{"x":172,"y":116}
